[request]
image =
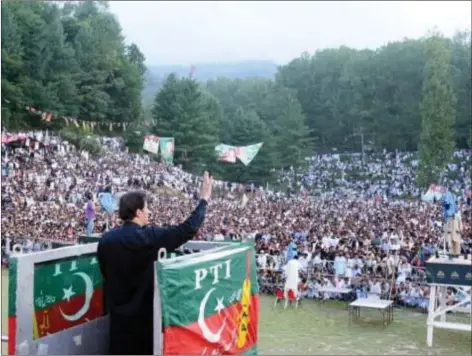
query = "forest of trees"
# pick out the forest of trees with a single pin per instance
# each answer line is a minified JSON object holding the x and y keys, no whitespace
{"x":72,"y":60}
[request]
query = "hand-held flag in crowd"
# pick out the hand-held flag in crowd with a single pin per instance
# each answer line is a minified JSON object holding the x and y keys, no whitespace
{"x":226,"y":153}
{"x":245,"y":154}
{"x":108,"y":202}
{"x":151,"y":144}
{"x":167,"y":149}
{"x":434,"y":192}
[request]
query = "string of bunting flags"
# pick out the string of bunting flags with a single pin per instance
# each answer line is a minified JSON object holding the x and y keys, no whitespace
{"x":48,"y":117}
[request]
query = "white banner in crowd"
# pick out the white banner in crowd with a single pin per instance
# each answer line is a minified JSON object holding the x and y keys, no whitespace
{"x":435,"y":192}
{"x":151,"y":144}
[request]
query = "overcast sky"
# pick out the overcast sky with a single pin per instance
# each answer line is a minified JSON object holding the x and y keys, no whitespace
{"x":204,"y":32}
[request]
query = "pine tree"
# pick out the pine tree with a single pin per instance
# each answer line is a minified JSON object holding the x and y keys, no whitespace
{"x":181,"y":110}
{"x":437,"y":113}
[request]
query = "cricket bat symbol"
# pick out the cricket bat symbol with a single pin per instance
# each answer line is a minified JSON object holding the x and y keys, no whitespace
{"x":246,"y":305}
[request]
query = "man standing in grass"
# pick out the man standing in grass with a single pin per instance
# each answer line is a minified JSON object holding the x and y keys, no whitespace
{"x":292,"y":274}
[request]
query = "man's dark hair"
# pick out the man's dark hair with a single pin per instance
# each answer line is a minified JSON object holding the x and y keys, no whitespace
{"x":130,"y":203}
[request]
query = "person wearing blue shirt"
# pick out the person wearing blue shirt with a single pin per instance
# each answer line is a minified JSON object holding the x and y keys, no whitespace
{"x":452,"y":223}
{"x":291,"y":250}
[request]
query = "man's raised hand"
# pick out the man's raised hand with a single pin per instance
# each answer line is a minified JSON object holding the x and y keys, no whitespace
{"x":207,"y":184}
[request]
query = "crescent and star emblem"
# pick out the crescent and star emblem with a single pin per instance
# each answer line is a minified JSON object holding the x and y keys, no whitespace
{"x":88,"y":296}
{"x":207,"y":333}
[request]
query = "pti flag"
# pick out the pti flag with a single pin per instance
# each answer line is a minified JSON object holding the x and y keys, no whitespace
{"x":66,"y":293}
{"x":247,"y":153}
{"x":167,"y":149}
{"x":210,"y":303}
{"x":151,"y":144}
{"x":226,"y":153}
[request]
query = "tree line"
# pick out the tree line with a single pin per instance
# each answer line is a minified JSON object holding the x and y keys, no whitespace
{"x":408,"y":95}
{"x":71,"y":58}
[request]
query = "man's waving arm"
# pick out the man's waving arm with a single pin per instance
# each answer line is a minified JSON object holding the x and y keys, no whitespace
{"x":175,"y":236}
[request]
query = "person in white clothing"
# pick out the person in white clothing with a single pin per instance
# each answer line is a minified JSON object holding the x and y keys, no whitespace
{"x":292,"y":276}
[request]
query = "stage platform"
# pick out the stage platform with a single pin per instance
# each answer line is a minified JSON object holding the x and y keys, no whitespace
{"x":445,"y":274}
{"x":41,"y":321}
{"x":85,"y":239}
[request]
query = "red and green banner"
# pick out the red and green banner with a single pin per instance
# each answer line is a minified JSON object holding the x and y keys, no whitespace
{"x":67,"y":293}
{"x":12,"y":291}
{"x":210,"y":303}
{"x":245,"y":154}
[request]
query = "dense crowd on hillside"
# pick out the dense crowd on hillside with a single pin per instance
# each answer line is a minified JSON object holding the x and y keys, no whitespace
{"x":355,"y":233}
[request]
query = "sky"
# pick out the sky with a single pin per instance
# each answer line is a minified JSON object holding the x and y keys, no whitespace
{"x":185,"y":33}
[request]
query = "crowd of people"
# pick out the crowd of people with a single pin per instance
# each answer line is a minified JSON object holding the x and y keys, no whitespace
{"x":350,"y":224}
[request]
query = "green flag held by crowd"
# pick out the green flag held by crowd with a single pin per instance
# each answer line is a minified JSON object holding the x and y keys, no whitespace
{"x":245,"y":154}
{"x":210,"y":303}
{"x":248,"y":153}
{"x":167,"y":149}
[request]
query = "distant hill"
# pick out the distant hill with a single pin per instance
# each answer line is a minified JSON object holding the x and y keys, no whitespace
{"x":156,"y":74}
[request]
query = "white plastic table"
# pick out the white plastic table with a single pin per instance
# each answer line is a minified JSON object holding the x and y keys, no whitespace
{"x":384,"y":306}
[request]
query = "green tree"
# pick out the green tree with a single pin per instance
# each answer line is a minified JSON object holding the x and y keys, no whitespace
{"x":461,"y":79}
{"x":12,"y":61}
{"x":181,"y":110}
{"x":69,"y":59}
{"x":437,"y":112}
{"x":292,"y":136}
{"x":259,"y":110}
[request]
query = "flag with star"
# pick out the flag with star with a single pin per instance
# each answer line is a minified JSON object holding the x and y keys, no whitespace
{"x":66,"y":293}
{"x":210,"y":302}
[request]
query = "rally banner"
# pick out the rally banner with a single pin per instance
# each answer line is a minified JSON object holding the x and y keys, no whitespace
{"x":245,"y":154}
{"x":435,"y":192}
{"x":6,"y":138}
{"x":248,"y":153}
{"x":151,"y":144}
{"x":167,"y":149}
{"x":66,"y":293}
{"x":226,"y":153}
{"x":109,"y":202}
{"x":55,"y":303}
{"x":210,"y":303}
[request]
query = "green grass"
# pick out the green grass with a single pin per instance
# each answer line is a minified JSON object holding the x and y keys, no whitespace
{"x":322,"y":329}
